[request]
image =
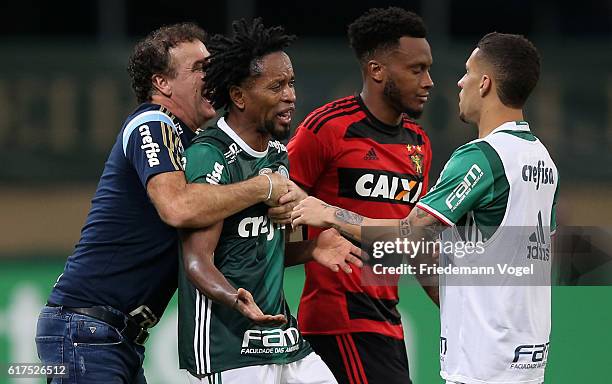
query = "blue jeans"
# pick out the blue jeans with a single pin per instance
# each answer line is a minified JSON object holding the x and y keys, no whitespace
{"x":94,"y":351}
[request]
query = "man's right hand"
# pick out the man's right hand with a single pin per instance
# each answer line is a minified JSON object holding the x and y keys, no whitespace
{"x":314,"y":212}
{"x":282,"y":213}
{"x":247,"y":307}
{"x":280,"y":187}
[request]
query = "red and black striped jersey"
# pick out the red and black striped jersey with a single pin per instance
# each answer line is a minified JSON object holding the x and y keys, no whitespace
{"x":346,"y":157}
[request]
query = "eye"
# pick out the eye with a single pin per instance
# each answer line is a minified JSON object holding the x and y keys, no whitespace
{"x":276,"y":87}
{"x":417,"y":69}
{"x":198,"y":67}
{"x":292,"y":83}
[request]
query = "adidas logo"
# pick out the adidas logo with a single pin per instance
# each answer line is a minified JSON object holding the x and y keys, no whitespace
{"x":371,"y":155}
{"x":538,"y":249}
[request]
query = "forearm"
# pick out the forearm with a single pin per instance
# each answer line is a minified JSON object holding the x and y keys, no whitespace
{"x":207,"y":204}
{"x":211,"y":282}
{"x":198,"y":248}
{"x":298,"y":252}
{"x":350,"y":224}
{"x":198,"y":205}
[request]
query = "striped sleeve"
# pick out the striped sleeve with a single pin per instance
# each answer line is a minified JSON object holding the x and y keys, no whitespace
{"x":466,"y":183}
{"x":151,"y":145}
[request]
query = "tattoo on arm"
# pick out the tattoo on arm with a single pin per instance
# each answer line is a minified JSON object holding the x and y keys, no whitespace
{"x":404,"y":228}
{"x":348,"y":217}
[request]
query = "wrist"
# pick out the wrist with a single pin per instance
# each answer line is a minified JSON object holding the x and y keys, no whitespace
{"x":310,"y":250}
{"x":228,"y":298}
{"x":329,"y":217}
{"x":262,"y":185}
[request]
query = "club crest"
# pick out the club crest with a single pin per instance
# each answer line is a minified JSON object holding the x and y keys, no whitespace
{"x":416,"y":156}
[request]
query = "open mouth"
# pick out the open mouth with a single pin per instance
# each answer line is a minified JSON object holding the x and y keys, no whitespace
{"x":205,"y":100}
{"x":203,"y":95}
{"x":285,"y":116}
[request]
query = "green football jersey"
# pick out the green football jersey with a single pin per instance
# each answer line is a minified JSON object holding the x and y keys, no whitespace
{"x":498,"y":192}
{"x":473,"y":188}
{"x":250,"y":254}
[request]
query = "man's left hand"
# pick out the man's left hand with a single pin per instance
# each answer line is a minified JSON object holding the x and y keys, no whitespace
{"x":335,"y":252}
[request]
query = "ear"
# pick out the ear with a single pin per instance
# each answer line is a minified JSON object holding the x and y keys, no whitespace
{"x":486,"y":84}
{"x":375,"y":70}
{"x":161,"y":85}
{"x":237,"y":97}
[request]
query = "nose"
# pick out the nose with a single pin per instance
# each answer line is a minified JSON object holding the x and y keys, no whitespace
{"x":289,"y":95}
{"x":460,"y":83}
{"x":428,"y":82}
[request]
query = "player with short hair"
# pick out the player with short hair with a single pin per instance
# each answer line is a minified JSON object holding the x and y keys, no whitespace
{"x":503,"y":187}
{"x":234,"y":322}
{"x":366,"y":154}
{"x":124,"y":269}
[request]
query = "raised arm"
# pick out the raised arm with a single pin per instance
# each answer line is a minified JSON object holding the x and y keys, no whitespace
{"x":314,"y":212}
{"x":418,"y":226}
{"x":149,"y":147}
{"x":184,"y":205}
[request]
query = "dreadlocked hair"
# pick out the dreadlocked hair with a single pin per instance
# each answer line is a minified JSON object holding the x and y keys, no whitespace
{"x":234,"y":59}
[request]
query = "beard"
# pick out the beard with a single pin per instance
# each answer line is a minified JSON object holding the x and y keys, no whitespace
{"x":277,"y":133}
{"x":393,"y":95}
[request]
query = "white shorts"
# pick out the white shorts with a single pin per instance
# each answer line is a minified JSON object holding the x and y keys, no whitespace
{"x":309,"y":370}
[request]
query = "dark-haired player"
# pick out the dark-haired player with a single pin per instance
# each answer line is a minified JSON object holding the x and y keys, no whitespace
{"x":365,"y":153}
{"x":234,"y":323}
{"x":489,"y":334}
{"x":123,"y":271}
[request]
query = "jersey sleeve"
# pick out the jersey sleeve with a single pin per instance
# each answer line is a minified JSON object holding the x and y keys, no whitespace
{"x":466,"y":183}
{"x":152,"y":148}
{"x":309,"y":154}
{"x":206,"y":164}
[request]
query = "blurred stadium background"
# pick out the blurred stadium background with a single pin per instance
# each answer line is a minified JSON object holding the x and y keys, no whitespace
{"x":64,"y":93}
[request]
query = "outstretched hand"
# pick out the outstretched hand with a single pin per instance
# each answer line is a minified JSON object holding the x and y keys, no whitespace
{"x":335,"y":252}
{"x":247,"y":307}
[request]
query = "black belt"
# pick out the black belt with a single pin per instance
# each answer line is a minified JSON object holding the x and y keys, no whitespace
{"x":125,"y":324}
